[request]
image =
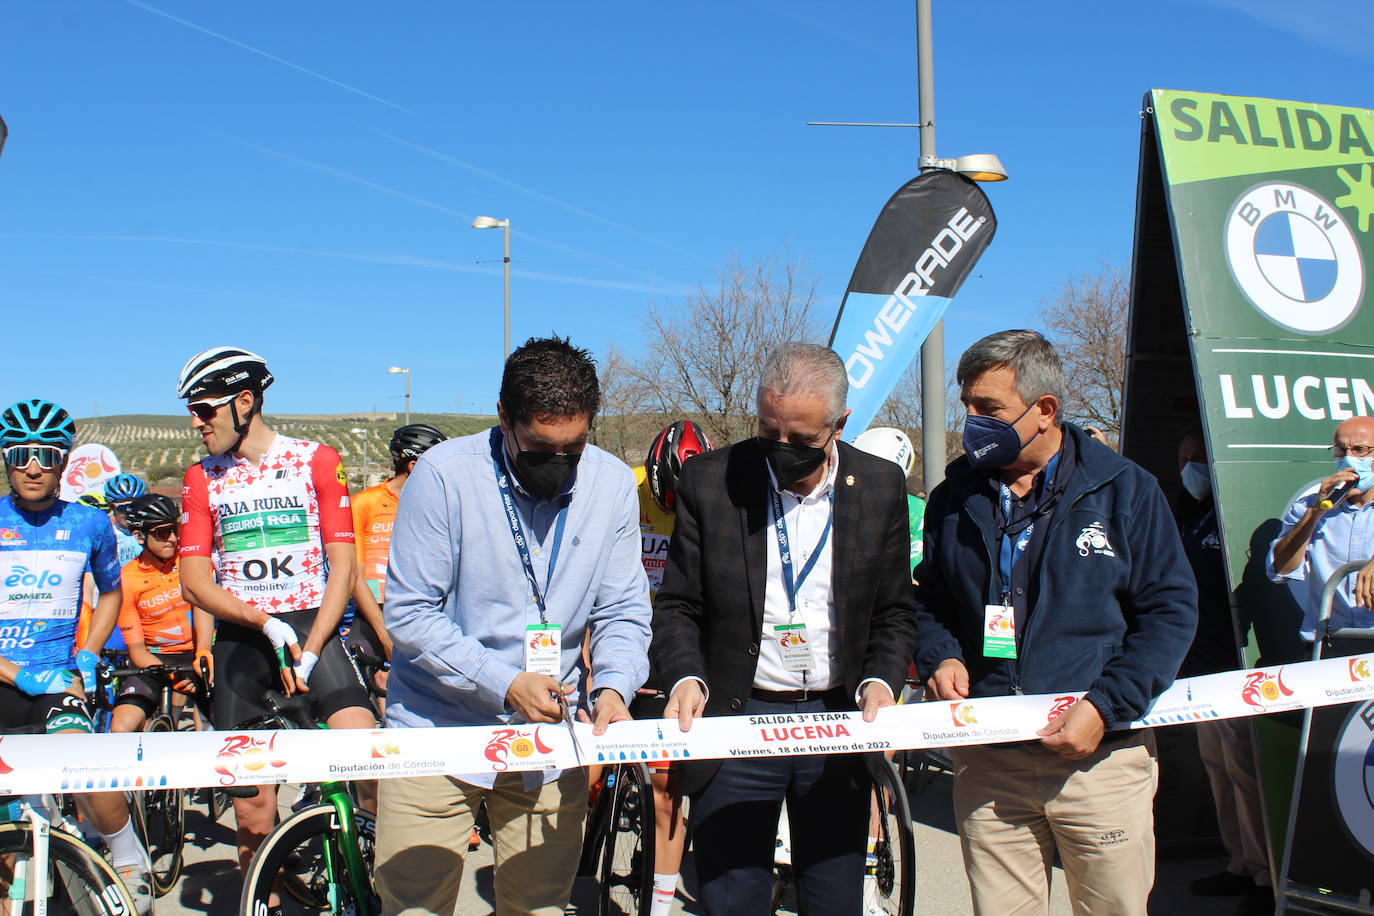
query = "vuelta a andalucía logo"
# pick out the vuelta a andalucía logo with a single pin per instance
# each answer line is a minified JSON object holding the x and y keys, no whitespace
{"x":962,"y":714}
{"x":1293,"y":256}
{"x":1263,"y":689}
{"x":246,"y":755}
{"x":792,"y":638}
{"x":1061,"y":706}
{"x":514,"y":742}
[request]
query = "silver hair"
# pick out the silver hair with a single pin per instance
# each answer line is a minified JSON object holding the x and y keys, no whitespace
{"x":802,"y":368}
{"x":1028,"y":354}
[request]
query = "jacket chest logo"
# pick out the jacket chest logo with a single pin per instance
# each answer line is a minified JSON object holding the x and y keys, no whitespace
{"x":1093,"y":540}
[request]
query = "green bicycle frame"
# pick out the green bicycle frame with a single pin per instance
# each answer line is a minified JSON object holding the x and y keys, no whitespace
{"x":346,"y":834}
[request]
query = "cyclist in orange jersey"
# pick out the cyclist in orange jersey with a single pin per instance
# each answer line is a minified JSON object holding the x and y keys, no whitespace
{"x":159,"y":625}
{"x":374,"y":511}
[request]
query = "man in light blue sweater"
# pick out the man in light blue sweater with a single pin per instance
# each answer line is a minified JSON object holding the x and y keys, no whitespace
{"x":509,"y":547}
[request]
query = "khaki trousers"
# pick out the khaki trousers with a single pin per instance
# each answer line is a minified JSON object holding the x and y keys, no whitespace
{"x":1015,"y":805}
{"x":1228,"y":755}
{"x":423,"y":824}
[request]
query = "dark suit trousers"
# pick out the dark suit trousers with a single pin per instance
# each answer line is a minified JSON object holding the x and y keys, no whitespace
{"x":735,"y":822}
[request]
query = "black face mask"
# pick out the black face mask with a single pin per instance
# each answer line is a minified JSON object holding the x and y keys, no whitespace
{"x":791,"y":463}
{"x":543,"y":474}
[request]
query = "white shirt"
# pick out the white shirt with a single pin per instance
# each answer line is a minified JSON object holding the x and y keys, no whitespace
{"x":806,"y":518}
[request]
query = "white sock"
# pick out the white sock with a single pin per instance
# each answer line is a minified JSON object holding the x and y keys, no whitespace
{"x":125,"y":850}
{"x":665,"y":887}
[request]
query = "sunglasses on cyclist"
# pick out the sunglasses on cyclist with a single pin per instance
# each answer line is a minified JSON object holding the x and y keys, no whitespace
{"x":206,"y":410}
{"x":163,"y":532}
{"x":48,"y":457}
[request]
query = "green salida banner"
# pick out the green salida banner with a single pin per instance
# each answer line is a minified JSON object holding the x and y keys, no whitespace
{"x":1273,"y":207}
{"x":1270,"y":213}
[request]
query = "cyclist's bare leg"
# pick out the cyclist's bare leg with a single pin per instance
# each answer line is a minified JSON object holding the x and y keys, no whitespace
{"x":670,"y":834}
{"x":358,"y":717}
{"x":127,"y":717}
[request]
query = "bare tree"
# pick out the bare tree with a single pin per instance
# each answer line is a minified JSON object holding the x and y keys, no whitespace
{"x":903,"y":410}
{"x":623,"y":427}
{"x":1086,"y":320}
{"x":702,"y":359}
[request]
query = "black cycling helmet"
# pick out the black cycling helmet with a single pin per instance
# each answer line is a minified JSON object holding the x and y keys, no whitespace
{"x":151,"y":510}
{"x":670,"y":448}
{"x":410,"y":442}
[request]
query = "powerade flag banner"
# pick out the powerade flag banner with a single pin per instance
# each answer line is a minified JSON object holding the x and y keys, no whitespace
{"x":926,"y":240}
{"x":1250,"y":318}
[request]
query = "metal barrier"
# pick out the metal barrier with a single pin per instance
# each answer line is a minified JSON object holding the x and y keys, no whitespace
{"x":1294,"y":897}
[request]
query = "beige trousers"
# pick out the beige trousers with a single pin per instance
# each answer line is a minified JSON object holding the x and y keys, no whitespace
{"x":1228,"y":755}
{"x":1015,"y":805}
{"x":423,"y":825}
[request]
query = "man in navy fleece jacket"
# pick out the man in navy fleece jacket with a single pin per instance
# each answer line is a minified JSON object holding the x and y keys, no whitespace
{"x":1051,"y":565}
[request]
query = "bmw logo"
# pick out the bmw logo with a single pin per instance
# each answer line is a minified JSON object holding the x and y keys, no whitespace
{"x":1294,"y":257}
{"x":1353,"y":776}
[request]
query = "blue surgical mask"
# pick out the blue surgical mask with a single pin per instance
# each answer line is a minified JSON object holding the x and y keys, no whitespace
{"x":1196,"y":480}
{"x":1362,"y":466}
{"x":993,"y":443}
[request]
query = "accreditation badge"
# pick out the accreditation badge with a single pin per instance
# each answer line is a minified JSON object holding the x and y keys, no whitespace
{"x":543,"y":649}
{"x":796,"y":650}
{"x":999,"y":631}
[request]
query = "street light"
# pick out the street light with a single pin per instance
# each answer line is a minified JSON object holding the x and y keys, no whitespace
{"x":397,"y":370}
{"x":487,"y":222}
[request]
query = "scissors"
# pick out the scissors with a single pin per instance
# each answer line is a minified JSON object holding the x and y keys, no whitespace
{"x":568,"y":721}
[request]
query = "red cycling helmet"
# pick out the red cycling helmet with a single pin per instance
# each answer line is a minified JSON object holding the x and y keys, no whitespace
{"x":671,"y":447}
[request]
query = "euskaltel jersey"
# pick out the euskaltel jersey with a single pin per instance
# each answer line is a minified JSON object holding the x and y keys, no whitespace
{"x":374,"y":513}
{"x":42,"y":558}
{"x":154,"y":611}
{"x":267,"y":524}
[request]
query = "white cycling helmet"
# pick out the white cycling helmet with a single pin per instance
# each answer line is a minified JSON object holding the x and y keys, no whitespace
{"x":890,"y":443}
{"x":223,"y":370}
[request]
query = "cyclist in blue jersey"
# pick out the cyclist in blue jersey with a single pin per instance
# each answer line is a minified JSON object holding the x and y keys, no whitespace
{"x":45,"y":545}
{"x":120,"y":492}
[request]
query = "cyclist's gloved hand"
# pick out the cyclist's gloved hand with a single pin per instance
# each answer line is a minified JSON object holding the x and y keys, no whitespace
{"x":281,"y":635}
{"x":38,"y":681}
{"x":86,"y":663}
{"x":306,"y":665}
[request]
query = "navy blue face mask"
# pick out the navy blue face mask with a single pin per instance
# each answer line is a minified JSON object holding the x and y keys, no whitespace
{"x":993,"y":443}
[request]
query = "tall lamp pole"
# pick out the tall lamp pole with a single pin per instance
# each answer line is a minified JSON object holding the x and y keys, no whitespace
{"x":933,"y":456}
{"x":397,"y":370}
{"x":487,"y":222}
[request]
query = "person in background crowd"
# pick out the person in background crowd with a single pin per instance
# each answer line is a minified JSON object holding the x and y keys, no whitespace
{"x":509,"y":547}
{"x":894,"y":445}
{"x":45,"y":674}
{"x":1051,"y":565}
{"x":787,"y":590}
{"x":656,"y":481}
{"x":1226,"y":745}
{"x":120,"y":491}
{"x":1315,"y":539}
{"x":374,"y":514}
{"x":159,"y":626}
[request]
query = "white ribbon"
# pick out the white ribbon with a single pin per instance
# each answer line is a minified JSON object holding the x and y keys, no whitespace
{"x":33,"y":764}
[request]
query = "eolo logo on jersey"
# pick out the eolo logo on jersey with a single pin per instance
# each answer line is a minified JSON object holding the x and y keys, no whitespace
{"x":1293,"y":256}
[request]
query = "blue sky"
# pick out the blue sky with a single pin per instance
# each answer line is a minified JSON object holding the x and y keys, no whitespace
{"x":300,"y":178}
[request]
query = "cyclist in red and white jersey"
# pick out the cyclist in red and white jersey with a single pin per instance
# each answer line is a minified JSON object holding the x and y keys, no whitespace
{"x":274,"y":512}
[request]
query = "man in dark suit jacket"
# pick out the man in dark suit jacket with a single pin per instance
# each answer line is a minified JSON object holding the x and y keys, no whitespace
{"x":738,"y":591}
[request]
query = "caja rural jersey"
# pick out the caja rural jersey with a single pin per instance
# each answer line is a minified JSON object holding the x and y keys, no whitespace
{"x":42,"y":558}
{"x":268,"y":523}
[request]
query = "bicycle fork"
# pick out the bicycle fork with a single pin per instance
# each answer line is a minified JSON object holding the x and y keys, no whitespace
{"x":346,"y":845}
{"x":37,"y":866}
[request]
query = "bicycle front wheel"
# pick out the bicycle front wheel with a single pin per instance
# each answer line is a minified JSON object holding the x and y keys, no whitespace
{"x":80,"y":881}
{"x":890,"y":874}
{"x":161,"y":824}
{"x":627,"y":861}
{"x":306,"y":849}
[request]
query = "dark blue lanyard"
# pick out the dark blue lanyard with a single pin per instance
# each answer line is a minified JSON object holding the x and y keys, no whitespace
{"x":790,"y":585}
{"x":522,"y":547}
{"x":1014,"y":546}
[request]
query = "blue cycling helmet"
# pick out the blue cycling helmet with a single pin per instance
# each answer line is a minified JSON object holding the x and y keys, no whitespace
{"x":36,"y":420}
{"x":124,"y":487}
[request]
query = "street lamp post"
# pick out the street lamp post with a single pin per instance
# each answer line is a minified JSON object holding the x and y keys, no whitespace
{"x":487,"y":222}
{"x":979,"y":167}
{"x":397,"y":370}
